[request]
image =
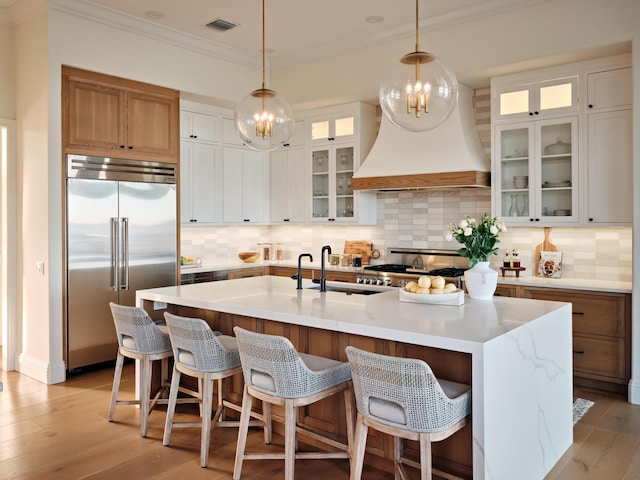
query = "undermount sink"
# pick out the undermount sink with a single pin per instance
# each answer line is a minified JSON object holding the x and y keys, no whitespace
{"x":350,"y":288}
{"x":346,"y":290}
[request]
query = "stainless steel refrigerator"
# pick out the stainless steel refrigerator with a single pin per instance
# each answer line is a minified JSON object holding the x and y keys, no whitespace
{"x":121,"y":237}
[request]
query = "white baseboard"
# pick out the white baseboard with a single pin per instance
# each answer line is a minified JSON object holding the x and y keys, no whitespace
{"x":44,"y":372}
{"x":633,"y":395}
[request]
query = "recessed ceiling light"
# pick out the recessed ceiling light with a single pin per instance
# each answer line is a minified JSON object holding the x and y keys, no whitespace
{"x":154,"y":14}
{"x":374,"y":19}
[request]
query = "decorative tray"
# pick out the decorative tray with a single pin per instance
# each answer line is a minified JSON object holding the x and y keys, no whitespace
{"x":455,"y":298}
{"x":556,"y":183}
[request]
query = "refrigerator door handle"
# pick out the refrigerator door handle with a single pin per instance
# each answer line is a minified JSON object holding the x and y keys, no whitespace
{"x":125,"y":251}
{"x":115,"y":277}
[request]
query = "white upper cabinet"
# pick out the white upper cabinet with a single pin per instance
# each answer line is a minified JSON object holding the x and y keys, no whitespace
{"x":245,"y":179}
{"x":333,"y":126}
{"x":535,"y":99}
{"x":610,"y":162}
{"x":230,"y":135}
{"x":338,"y":140}
{"x":287,"y":182}
{"x":609,"y":89}
{"x":579,"y":166}
{"x":536,"y":175}
{"x":198,"y":126}
{"x":200,"y":185}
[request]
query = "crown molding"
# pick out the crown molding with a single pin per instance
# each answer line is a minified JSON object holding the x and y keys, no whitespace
{"x":20,"y":11}
{"x":148,"y":29}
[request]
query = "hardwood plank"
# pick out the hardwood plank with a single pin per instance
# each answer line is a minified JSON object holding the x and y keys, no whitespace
{"x":61,"y":432}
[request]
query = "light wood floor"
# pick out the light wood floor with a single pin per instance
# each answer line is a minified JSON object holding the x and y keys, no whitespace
{"x":61,"y":432}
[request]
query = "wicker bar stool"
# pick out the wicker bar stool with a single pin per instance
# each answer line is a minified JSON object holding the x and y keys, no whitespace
{"x":275,"y":372}
{"x":403,"y":398}
{"x":201,"y":354}
{"x":139,"y":338}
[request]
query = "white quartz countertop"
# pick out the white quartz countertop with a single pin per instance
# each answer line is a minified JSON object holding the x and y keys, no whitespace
{"x":574,"y":283}
{"x":509,"y":279}
{"x":463,"y":328}
{"x":232,"y":265}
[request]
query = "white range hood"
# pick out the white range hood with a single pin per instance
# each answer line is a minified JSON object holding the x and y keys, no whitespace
{"x":450,"y":155}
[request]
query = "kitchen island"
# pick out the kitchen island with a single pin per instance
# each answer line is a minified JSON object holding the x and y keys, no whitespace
{"x":515,"y":353}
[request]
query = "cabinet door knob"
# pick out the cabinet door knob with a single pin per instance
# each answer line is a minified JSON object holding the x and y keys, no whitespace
{"x":531,"y":114}
{"x":195,"y":136}
{"x":130,"y":147}
{"x":536,"y":113}
{"x":591,"y":219}
{"x":121,"y":146}
{"x":590,"y":105}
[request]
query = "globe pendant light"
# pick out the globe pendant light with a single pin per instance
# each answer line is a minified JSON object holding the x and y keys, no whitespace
{"x":263,"y":119}
{"x":420,"y":93}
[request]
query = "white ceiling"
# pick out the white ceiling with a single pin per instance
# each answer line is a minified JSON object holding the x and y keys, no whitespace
{"x":296,"y":30}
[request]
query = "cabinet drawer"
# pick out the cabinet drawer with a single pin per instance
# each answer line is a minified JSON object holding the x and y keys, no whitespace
{"x":506,"y":291}
{"x":248,"y":272}
{"x":599,"y":314}
{"x":599,"y":356}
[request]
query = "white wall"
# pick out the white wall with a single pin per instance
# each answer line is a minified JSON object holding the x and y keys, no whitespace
{"x":32,"y":105}
{"x":7,"y":73}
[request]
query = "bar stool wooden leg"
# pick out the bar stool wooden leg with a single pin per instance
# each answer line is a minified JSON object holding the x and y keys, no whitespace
{"x":145,"y":394}
{"x":268,"y":431}
{"x":289,"y":439}
{"x":171,"y":408}
{"x":349,"y":410}
{"x":397,"y":459}
{"x":242,"y":433}
{"x":425,"y":456}
{"x":207,"y":402}
{"x":360,"y":443}
{"x":116,"y":385}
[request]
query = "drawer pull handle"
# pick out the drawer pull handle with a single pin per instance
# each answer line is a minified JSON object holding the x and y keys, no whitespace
{"x":580,"y":352}
{"x":578,"y":313}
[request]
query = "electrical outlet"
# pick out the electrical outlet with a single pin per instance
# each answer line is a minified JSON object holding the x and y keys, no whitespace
{"x":40,"y":266}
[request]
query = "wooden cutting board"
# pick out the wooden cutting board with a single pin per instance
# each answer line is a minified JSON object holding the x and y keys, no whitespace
{"x":360,"y":247}
{"x":545,"y":246}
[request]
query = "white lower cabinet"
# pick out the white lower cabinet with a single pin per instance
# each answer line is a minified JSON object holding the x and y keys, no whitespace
{"x":245,"y":190}
{"x":610,"y":162}
{"x":200,"y":188}
{"x":287,"y":181}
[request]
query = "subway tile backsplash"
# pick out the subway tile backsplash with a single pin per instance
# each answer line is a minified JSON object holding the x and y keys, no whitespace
{"x":420,"y":219}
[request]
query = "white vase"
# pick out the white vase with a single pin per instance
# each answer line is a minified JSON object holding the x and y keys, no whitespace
{"x":481,"y":281}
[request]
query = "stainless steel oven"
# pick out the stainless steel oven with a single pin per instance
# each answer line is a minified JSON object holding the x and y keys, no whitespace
{"x":406,"y":264}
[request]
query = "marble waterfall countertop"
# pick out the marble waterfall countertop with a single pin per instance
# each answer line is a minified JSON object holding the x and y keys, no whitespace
{"x":382,"y":315}
{"x":521,"y":355}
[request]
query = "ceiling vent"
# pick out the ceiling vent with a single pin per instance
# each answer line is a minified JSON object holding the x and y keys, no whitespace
{"x":220,"y":25}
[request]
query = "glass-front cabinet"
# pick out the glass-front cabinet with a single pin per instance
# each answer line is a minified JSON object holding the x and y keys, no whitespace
{"x":537,"y":172}
{"x":536,"y":99}
{"x":331,"y":172}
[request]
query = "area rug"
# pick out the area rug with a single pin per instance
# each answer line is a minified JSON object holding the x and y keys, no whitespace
{"x":580,"y":407}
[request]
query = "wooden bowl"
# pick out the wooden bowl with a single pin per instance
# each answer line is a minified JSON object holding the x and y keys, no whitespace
{"x":249,"y":257}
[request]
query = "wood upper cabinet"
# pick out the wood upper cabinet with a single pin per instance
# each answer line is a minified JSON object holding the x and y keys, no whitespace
{"x":103,"y":115}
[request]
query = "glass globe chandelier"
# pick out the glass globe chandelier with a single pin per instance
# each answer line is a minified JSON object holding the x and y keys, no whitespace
{"x":420,"y":93}
{"x":263,"y":119}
